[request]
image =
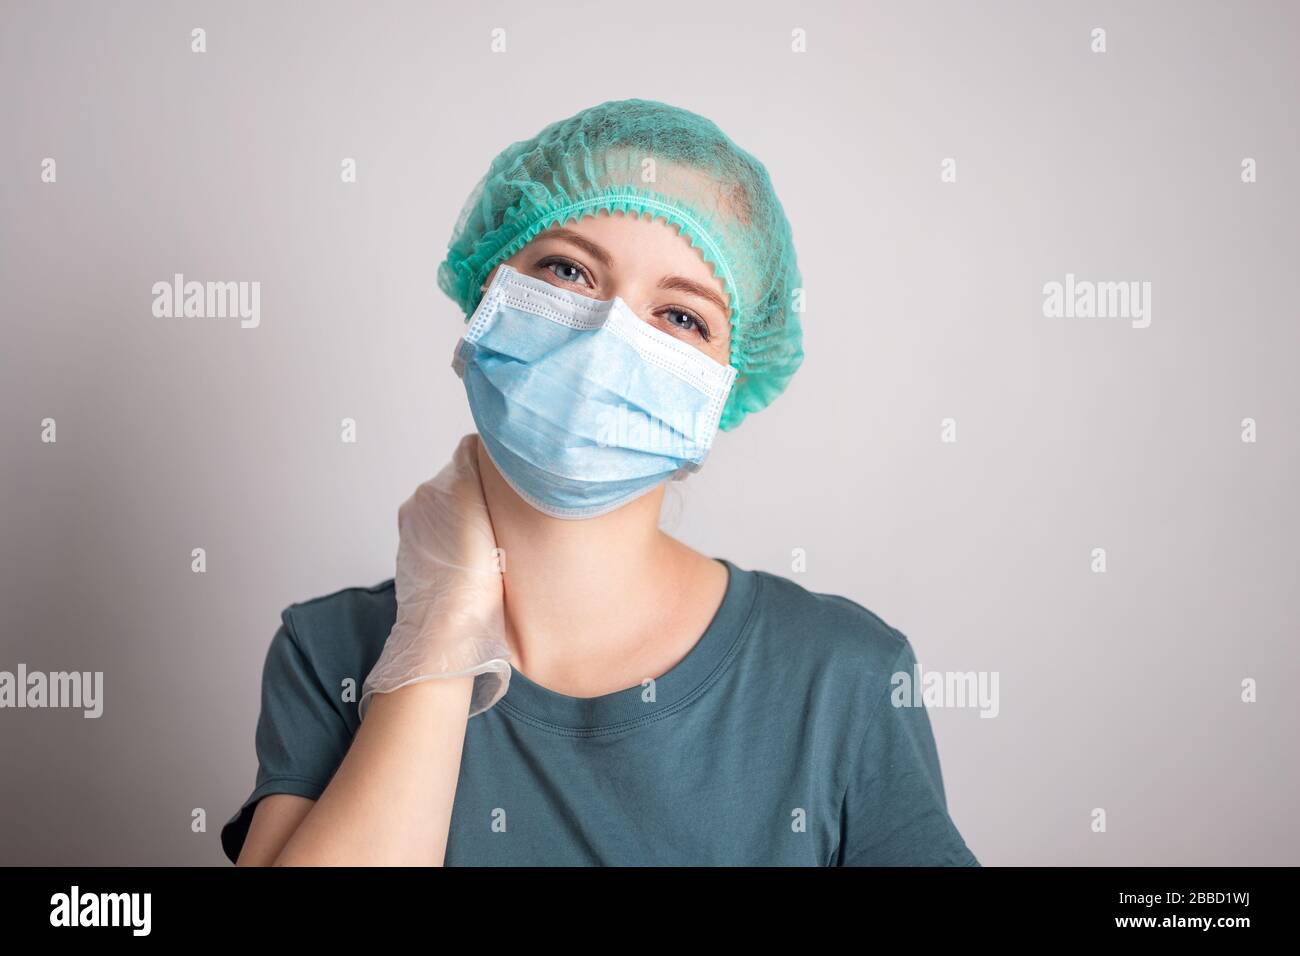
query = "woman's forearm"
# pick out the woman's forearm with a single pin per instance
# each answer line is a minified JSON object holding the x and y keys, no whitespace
{"x":390,"y":801}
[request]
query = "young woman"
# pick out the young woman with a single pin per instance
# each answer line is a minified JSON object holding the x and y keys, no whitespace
{"x":550,"y":679}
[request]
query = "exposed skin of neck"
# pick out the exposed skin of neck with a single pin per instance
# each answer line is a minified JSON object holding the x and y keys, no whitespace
{"x":601,"y":604}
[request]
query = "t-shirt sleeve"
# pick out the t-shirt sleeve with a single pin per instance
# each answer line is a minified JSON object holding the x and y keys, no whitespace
{"x":895,"y":812}
{"x":301,"y":736}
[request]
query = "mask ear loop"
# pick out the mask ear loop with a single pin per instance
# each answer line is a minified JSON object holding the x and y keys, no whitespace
{"x":673,"y":507}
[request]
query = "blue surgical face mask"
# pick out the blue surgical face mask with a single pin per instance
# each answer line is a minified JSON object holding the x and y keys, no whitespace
{"x":580,"y":404}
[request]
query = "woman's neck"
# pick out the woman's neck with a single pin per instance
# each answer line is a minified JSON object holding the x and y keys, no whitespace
{"x":597,"y":605}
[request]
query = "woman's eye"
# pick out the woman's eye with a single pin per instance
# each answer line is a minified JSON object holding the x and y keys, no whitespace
{"x":565,"y":270}
{"x":685,"y":322}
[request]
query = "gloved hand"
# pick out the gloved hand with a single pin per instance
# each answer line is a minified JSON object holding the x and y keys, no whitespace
{"x":450,"y":597}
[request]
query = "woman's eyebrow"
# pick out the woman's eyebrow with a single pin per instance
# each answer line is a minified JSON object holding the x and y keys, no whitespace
{"x":583,"y":243}
{"x":671,"y":282}
{"x":683,"y":284}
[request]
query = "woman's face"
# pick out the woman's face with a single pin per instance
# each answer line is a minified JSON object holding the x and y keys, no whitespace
{"x":642,"y":261}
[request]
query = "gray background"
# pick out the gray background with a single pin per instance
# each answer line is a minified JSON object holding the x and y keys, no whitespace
{"x":1119,"y":691}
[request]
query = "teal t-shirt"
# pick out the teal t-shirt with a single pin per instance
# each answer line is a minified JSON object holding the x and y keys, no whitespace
{"x":773,"y":742}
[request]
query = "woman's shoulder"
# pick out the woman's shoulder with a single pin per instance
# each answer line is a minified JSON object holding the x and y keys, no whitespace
{"x":826,"y":624}
{"x":358,"y":597}
{"x":342,"y":630}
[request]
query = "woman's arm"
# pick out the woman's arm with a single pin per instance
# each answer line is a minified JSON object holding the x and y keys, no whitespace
{"x":390,"y":802}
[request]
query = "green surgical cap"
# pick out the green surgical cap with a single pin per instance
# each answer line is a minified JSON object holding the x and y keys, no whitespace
{"x":644,"y":157}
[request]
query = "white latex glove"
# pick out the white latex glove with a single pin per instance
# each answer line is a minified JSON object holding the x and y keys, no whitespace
{"x":450,"y":598}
